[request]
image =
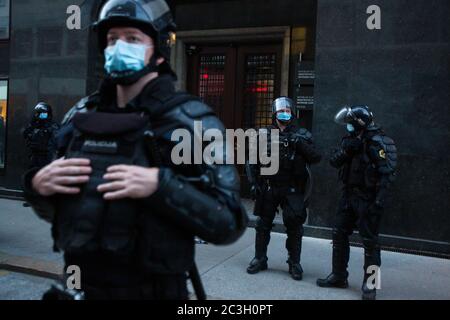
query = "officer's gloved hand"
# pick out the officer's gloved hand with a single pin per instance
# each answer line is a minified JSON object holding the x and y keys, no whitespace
{"x":304,"y":145}
{"x":300,"y":140}
{"x":352,"y":146}
{"x":338,"y":158}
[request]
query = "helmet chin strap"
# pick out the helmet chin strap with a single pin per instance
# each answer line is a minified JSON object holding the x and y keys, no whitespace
{"x":135,"y":76}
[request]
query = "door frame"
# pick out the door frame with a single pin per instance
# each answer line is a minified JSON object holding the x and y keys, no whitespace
{"x":211,"y":36}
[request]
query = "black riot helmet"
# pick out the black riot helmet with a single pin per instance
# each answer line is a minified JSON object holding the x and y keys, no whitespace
{"x":282,"y":103}
{"x":43,"y":111}
{"x":357,"y":117}
{"x":152,"y":17}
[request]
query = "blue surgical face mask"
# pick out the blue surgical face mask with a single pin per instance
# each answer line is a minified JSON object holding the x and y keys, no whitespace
{"x":43,"y":116}
{"x":284,"y":116}
{"x":124,"y":56}
{"x":350,"y":128}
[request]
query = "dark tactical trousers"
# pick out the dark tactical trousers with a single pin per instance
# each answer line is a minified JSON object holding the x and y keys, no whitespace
{"x":356,"y":211}
{"x":106,"y":277}
{"x":161,"y":287}
{"x":294,"y":216}
{"x":158,"y":287}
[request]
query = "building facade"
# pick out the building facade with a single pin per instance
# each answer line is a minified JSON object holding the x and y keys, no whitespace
{"x":239,"y":55}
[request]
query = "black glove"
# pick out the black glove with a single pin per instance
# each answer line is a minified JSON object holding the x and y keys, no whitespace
{"x":338,"y":158}
{"x":352,"y":146}
{"x":307,"y":150}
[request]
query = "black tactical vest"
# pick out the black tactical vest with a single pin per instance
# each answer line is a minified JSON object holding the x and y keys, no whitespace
{"x":292,"y":171}
{"x":361,"y":171}
{"x":134,"y":230}
{"x":86,"y":222}
{"x":40,"y":140}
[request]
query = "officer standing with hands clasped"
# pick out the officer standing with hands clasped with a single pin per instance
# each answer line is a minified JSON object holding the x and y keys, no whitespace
{"x":121,"y":210}
{"x":367,"y":160}
{"x":287,"y":188}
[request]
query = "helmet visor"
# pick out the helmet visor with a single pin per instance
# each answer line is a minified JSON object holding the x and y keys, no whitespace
{"x":343,"y":116}
{"x":283,"y":103}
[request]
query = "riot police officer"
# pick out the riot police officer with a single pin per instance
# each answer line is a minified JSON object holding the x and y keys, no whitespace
{"x":121,"y":209}
{"x":286,"y":188}
{"x":367,"y":160}
{"x":40,"y":135}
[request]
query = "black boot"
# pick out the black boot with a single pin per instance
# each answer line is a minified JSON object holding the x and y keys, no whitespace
{"x":341,"y":255}
{"x":333,"y":280}
{"x":257,"y":265}
{"x":296,"y":270}
{"x":259,"y":262}
{"x":294,"y":247}
{"x":372,"y":257}
{"x":368,"y":294}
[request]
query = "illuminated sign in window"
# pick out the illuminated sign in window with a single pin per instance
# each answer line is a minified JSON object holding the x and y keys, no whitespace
{"x":3,"y":107}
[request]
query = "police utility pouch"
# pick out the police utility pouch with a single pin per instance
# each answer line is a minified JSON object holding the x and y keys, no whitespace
{"x":86,"y":222}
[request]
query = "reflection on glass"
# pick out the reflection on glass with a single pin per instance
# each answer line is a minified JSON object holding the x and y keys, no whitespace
{"x":4,"y":19}
{"x":212,"y":81}
{"x":3,"y":105}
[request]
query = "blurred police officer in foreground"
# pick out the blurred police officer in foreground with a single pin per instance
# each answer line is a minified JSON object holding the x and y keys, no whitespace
{"x":40,"y":136}
{"x":287,"y":188}
{"x":121,"y":210}
{"x":367,"y":160}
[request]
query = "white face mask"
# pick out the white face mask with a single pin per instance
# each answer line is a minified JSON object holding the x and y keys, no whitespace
{"x":124,"y":56}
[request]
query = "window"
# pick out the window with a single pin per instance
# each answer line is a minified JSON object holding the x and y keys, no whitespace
{"x":76,"y":42}
{"x":260,"y":73}
{"x":23,"y":43}
{"x":212,"y":81}
{"x":49,"y":41}
{"x":3,"y":107}
{"x":4,"y":19}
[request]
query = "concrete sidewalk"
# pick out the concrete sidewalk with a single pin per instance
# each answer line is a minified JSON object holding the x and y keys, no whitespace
{"x":26,"y":247}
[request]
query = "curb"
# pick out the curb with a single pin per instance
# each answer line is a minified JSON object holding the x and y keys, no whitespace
{"x":31,"y":266}
{"x":46,"y":269}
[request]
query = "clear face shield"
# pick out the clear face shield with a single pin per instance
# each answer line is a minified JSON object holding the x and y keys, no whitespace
{"x":347,"y":118}
{"x":283,"y":104}
{"x":284,"y":109}
{"x":344,"y":116}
